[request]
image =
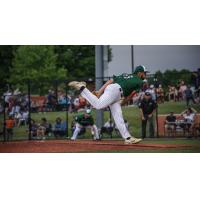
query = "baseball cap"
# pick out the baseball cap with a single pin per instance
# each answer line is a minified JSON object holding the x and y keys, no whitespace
{"x":140,"y":68}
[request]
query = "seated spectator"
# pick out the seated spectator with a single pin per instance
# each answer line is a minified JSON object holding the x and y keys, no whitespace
{"x":41,"y":130}
{"x":170,"y":119}
{"x":34,"y":128}
{"x":46,"y":125}
{"x":23,"y":119}
{"x":107,"y":128}
{"x":188,"y":117}
{"x":9,"y":128}
{"x":189,"y":96}
{"x":59,"y":129}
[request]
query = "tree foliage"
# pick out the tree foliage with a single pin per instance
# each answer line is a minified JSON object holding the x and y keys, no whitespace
{"x":44,"y":64}
{"x":173,"y":77}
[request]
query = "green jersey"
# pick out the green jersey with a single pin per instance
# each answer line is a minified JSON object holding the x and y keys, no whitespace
{"x":128,"y":83}
{"x":84,"y":121}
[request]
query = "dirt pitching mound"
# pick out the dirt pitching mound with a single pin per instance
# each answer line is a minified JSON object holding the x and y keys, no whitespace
{"x":61,"y":146}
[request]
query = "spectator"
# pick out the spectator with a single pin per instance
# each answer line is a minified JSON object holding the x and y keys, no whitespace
{"x":23,"y":119}
{"x":7,"y":96}
{"x":41,"y":132}
{"x":59,"y":129}
{"x":147,"y":108}
{"x":46,"y":125}
{"x":9,"y":128}
{"x":15,"y":109}
{"x":151,"y":90}
{"x":171,"y":118}
{"x":17,"y":117}
{"x":160,"y":94}
{"x":145,"y":85}
{"x":181,"y":92}
{"x":85,"y":121}
{"x":51,"y":100}
{"x":172,"y":93}
{"x":34,"y":106}
{"x":189,"y":114}
{"x":189,"y":96}
{"x":34,"y":128}
{"x":188,"y":117}
{"x":43,"y":129}
{"x":69,"y":104}
{"x":62,"y":101}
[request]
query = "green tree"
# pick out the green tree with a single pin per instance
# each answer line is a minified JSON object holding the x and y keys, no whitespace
{"x":78,"y":60}
{"x":35,"y":63}
{"x":6,"y":56}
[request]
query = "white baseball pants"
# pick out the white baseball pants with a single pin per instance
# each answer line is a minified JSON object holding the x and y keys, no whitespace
{"x":77,"y":130}
{"x":111,"y":97}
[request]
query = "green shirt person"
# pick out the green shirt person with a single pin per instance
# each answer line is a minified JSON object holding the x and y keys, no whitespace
{"x":85,"y":121}
{"x":128,"y":83}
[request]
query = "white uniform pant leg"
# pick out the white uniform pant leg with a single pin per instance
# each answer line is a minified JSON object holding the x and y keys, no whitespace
{"x":110,"y":95}
{"x":76,"y":132}
{"x":94,"y":129}
{"x":119,"y":120}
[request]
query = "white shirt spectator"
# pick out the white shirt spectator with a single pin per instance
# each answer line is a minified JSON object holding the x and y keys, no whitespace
{"x":189,"y":117}
{"x":152,"y":92}
{"x":15,"y":109}
{"x":7,"y":95}
{"x":25,"y":115}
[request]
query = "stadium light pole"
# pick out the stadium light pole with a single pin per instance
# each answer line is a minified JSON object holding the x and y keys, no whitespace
{"x":99,"y":79}
{"x":132,"y":58}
